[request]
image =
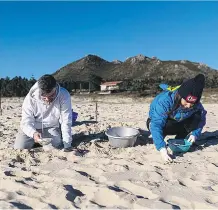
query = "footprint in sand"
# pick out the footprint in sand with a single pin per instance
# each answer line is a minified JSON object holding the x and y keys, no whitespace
{"x":92,"y":171}
{"x":155,"y":176}
{"x":212,"y":199}
{"x":162,"y":204}
{"x":186,"y":182}
{"x":109,"y":198}
{"x":7,"y":195}
{"x":6,"y":205}
{"x":137,"y":190}
{"x":23,"y":174}
{"x":202,"y":205}
{"x":192,"y":204}
{"x":178,"y":201}
{"x":213,"y":167}
{"x":215,"y":187}
{"x":21,"y":186}
{"x":3,"y":195}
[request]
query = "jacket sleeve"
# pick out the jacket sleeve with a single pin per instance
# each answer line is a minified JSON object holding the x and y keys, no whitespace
{"x":28,"y":120}
{"x":66,"y":119}
{"x":202,"y":123}
{"x":158,"y":122}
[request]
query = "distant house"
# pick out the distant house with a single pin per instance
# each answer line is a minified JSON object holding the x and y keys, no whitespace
{"x":108,"y":86}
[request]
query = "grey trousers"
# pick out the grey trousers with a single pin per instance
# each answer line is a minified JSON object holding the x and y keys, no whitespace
{"x":25,"y":142}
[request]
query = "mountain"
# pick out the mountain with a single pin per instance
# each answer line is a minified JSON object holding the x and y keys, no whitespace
{"x":138,"y":67}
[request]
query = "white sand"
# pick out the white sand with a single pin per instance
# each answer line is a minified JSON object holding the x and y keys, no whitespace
{"x":105,"y":177}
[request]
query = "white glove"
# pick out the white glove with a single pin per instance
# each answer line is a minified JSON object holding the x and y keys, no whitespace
{"x":165,"y":156}
{"x":192,"y":138}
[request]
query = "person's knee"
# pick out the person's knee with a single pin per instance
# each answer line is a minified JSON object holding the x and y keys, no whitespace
{"x":57,"y":142}
{"x":193,"y":122}
{"x":23,"y":142}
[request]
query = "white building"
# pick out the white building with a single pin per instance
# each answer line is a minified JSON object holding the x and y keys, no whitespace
{"x":106,"y":86}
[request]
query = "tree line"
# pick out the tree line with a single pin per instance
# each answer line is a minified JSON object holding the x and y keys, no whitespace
{"x":16,"y":87}
{"x":19,"y":87}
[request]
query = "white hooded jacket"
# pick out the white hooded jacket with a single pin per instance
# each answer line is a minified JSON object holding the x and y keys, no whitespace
{"x":36,"y":114}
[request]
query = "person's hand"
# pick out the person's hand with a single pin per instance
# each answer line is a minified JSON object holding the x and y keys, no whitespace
{"x":192,"y":138}
{"x":165,"y":156}
{"x":36,"y":136}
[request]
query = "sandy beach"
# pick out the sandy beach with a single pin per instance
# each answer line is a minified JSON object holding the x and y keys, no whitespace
{"x":104,"y":177}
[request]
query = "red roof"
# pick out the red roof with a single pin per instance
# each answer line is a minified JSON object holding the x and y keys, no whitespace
{"x":111,"y":83}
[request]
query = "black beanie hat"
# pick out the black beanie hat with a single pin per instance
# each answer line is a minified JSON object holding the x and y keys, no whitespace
{"x":191,"y":90}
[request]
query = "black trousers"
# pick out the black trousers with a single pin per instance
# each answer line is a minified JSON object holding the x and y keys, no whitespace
{"x":180,"y":129}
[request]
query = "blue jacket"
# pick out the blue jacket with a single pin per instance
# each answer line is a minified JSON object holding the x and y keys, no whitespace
{"x":160,"y":106}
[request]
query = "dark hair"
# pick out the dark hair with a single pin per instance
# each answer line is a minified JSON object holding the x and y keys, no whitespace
{"x":177,"y":102}
{"x":46,"y":83}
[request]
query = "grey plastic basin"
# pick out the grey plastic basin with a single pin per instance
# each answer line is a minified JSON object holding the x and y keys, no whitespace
{"x":122,"y":137}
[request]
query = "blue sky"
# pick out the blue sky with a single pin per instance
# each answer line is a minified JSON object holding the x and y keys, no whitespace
{"x":41,"y":37}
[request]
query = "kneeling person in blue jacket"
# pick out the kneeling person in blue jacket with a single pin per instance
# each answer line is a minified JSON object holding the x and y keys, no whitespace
{"x":177,"y":112}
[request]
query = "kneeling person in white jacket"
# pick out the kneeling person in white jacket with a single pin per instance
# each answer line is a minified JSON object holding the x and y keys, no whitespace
{"x":46,"y":109}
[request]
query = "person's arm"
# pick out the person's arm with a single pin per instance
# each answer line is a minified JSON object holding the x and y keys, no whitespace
{"x":28,"y":120}
{"x":158,"y":121}
{"x":66,"y":120}
{"x":202,"y":123}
